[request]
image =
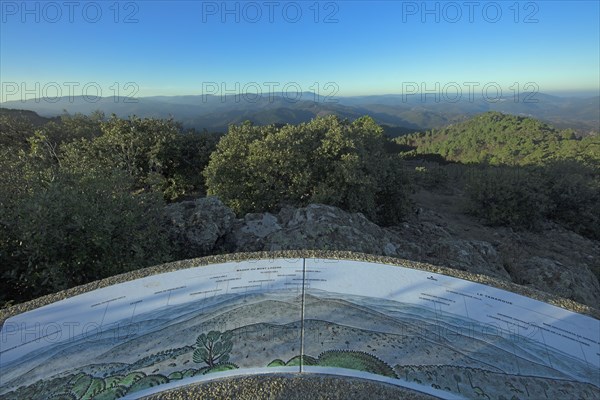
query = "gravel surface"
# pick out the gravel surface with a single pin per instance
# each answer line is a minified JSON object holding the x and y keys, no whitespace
{"x":290,"y":387}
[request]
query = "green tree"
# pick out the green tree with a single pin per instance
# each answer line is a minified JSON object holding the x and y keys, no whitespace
{"x":512,"y":197}
{"x":47,"y":141}
{"x":80,"y":196}
{"x":72,"y":127}
{"x":184,"y":160}
{"x":14,"y":132}
{"x":64,"y":229}
{"x":574,"y":190}
{"x":154,"y":152}
{"x":136,"y":145}
{"x":213,"y":348}
{"x":327,"y":160}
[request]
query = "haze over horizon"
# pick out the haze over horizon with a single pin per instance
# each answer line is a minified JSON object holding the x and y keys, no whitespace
{"x":334,"y":48}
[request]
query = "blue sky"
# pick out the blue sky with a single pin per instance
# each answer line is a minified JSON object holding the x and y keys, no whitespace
{"x":376,"y":47}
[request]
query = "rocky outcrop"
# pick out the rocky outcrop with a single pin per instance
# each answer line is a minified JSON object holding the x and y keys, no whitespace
{"x":555,"y":260}
{"x":195,"y":227}
{"x":316,"y":227}
{"x":571,"y":282}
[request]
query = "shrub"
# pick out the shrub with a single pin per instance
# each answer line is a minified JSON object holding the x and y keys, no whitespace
{"x":75,"y":228}
{"x":567,"y":192}
{"x":154,"y":152}
{"x":503,"y":197}
{"x":575,"y":193}
{"x":326,"y":160}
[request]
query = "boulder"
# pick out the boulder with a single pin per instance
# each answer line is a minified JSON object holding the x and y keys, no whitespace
{"x":247,"y":234}
{"x":315,"y":227}
{"x":195,"y":226}
{"x":475,"y":256}
{"x":572,"y":282}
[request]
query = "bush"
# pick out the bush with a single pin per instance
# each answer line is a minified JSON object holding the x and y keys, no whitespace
{"x":501,"y":196}
{"x":343,"y":164}
{"x":74,"y":228}
{"x":575,"y":193}
{"x":154,"y":152}
{"x":431,"y":176}
{"x":82,"y":198}
{"x":567,"y":192}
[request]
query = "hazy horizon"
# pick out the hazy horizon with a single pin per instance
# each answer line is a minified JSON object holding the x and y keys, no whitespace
{"x":414,"y":97}
{"x":334,"y":48}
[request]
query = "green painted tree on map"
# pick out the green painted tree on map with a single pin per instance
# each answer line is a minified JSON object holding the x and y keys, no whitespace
{"x":213,"y":348}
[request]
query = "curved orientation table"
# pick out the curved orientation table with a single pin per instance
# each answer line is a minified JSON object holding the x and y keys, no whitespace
{"x":336,"y":319}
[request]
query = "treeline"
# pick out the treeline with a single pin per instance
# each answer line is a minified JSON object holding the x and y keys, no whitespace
{"x":82,"y":197}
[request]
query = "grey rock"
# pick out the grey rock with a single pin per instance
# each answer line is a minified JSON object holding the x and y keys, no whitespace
{"x":248,"y":234}
{"x":316,"y":227}
{"x":195,"y":227}
{"x":569,"y":281}
{"x":556,"y":261}
{"x":322,"y":227}
{"x":389,"y":249}
{"x":260,"y":225}
{"x":475,"y":256}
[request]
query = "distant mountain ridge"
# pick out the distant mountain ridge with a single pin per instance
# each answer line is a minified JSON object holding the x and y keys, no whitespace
{"x":399,"y":113}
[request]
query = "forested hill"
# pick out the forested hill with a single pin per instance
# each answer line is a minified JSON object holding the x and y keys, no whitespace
{"x":497,"y":138}
{"x":26,"y":115}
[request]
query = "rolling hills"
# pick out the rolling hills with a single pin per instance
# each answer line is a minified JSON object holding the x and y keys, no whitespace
{"x":400,"y":114}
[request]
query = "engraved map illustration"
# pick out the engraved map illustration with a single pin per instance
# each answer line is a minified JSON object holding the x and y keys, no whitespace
{"x":433,"y":333}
